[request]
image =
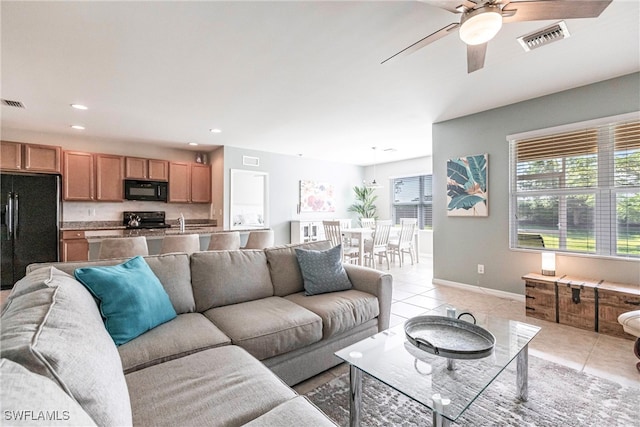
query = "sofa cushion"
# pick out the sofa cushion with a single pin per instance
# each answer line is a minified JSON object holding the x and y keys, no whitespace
{"x":173,"y":270}
{"x":322,"y":271}
{"x":293,"y":413}
{"x":132,"y":299}
{"x":222,"y":386}
{"x":284,"y":268}
{"x":229,"y":277}
{"x":340,"y":311}
{"x":28,"y":399}
{"x":57,"y":332}
{"x":267,"y":327}
{"x":188,"y":333}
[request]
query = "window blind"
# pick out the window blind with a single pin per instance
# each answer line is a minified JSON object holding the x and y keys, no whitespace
{"x":412,"y":198}
{"x":578,"y":190}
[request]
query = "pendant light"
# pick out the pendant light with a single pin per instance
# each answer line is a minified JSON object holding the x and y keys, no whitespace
{"x":373,"y":183}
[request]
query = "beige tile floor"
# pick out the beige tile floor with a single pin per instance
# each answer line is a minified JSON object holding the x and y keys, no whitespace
{"x":415,"y":294}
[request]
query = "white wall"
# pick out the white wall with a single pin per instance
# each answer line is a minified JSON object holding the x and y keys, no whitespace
{"x":285,"y":173}
{"x":460,"y":243}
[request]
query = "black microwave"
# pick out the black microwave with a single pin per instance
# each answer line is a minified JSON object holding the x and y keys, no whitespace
{"x":153,"y":191}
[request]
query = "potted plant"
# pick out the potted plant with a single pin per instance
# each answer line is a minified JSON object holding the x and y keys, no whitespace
{"x":364,"y":206}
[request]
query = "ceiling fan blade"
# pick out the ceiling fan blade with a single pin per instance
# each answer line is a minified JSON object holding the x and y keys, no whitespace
{"x":450,"y":5}
{"x":425,"y":41}
{"x":553,"y":9}
{"x":475,"y":57}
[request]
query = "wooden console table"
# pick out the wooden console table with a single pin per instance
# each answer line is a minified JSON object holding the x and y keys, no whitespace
{"x":584,"y":303}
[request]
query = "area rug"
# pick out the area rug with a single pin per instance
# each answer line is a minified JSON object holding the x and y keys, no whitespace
{"x":558,"y":396}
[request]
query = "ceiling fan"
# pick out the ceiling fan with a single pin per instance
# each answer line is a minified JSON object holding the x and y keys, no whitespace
{"x":482,"y":19}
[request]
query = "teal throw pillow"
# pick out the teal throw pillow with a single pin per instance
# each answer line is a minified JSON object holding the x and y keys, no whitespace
{"x":132,"y":299}
{"x":322,"y":271}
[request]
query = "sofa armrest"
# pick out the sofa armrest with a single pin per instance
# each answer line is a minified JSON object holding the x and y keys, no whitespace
{"x":376,"y":283}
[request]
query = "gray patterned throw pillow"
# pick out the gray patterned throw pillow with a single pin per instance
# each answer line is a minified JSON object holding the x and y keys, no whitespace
{"x":322,"y":271}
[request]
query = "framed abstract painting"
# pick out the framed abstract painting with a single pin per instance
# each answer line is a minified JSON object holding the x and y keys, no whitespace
{"x":316,"y":197}
{"x":468,"y":186}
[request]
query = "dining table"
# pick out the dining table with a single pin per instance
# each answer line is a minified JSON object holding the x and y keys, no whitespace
{"x":362,"y":233}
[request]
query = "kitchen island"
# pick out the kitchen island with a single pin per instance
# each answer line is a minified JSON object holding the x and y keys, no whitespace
{"x":95,"y":232}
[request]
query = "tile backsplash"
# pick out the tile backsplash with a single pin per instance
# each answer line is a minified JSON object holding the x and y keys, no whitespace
{"x":91,"y":211}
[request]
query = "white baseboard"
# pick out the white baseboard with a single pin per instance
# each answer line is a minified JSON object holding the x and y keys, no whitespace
{"x":479,"y":289}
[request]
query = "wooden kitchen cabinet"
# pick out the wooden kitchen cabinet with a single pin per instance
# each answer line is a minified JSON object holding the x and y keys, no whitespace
{"x":152,"y":169}
{"x":92,"y":177}
{"x":74,"y":246}
{"x":78,"y":176}
{"x":200,"y":183}
{"x":179,"y":182}
{"x":16,"y":156}
{"x":189,"y":182}
{"x":109,"y":173}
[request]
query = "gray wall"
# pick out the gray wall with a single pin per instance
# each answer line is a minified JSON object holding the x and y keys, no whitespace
{"x":285,"y":173}
{"x":460,"y":243}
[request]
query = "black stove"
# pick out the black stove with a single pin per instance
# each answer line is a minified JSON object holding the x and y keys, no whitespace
{"x":144,"y":219}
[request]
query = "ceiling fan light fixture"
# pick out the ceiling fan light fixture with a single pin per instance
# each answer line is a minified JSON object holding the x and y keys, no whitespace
{"x":480,"y":25}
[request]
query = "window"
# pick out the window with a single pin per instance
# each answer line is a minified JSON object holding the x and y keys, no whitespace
{"x":412,"y":198}
{"x":578,"y":190}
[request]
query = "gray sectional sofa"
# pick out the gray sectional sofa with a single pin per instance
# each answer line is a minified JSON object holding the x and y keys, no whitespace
{"x":235,"y":309}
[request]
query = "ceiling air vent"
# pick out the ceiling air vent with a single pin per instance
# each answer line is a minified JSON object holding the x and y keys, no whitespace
{"x":10,"y":103}
{"x":544,"y":36}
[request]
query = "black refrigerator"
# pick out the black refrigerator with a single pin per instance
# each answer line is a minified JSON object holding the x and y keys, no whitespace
{"x":30,"y":206}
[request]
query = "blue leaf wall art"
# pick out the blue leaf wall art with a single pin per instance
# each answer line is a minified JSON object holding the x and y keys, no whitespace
{"x":467,"y":186}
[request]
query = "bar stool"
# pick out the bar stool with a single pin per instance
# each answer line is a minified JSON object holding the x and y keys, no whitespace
{"x":123,"y":247}
{"x":260,"y":239}
{"x":227,"y":240}
{"x":188,"y":243}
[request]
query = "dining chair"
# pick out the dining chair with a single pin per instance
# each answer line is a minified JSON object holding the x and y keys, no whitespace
{"x":188,"y":243}
{"x":404,"y":244}
{"x":333,"y":233}
{"x":123,"y":247}
{"x":260,"y":239}
{"x":225,"y":241}
{"x":379,"y":244}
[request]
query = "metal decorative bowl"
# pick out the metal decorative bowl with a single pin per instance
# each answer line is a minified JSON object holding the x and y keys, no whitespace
{"x":449,"y":337}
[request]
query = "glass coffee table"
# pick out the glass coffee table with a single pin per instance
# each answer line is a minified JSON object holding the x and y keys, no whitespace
{"x":446,"y":386}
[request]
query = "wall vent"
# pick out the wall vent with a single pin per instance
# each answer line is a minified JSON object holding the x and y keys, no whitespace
{"x":544,"y":36}
{"x":250,"y":161}
{"x":9,"y":103}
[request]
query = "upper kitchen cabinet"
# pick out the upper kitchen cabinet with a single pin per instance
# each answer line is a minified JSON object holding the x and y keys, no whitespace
{"x":109,"y":176}
{"x":78,"y":176}
{"x":17,"y":156}
{"x":189,"y":183}
{"x":92,"y":177}
{"x":200,"y":183}
{"x":139,"y":168}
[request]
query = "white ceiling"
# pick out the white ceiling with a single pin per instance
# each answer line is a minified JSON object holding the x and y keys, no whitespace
{"x":285,"y":77}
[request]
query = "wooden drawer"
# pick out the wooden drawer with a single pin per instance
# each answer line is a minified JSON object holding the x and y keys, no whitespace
{"x":613,"y":300}
{"x":73,"y":234}
{"x":540,"y":299}
{"x":577,"y":303}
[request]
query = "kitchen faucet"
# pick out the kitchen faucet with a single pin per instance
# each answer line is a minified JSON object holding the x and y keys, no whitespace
{"x":181,"y":222}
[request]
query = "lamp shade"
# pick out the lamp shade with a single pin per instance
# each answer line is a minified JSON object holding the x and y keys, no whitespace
{"x":481,"y":25}
{"x":548,"y":263}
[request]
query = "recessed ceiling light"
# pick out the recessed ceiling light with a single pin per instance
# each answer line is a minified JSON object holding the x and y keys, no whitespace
{"x":193,"y":143}
{"x":79,"y":107}
{"x":77,"y":127}
{"x":215,"y":130}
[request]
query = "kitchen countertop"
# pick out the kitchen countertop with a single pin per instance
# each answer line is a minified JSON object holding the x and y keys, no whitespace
{"x":97,"y":232}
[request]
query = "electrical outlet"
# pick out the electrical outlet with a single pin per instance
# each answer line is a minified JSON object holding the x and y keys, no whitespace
{"x":480,"y":268}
